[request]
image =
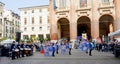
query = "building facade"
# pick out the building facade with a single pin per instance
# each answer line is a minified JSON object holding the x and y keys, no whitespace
{"x":35,"y":22}
{"x":11,"y":24}
{"x":1,"y":19}
{"x":72,"y":18}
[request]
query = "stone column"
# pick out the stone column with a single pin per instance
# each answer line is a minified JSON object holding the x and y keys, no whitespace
{"x":95,"y":19}
{"x":53,"y":23}
{"x":117,"y":12}
{"x":73,"y":24}
{"x":73,"y":31}
{"x":94,"y":29}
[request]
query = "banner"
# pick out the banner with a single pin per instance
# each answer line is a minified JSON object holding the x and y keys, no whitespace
{"x":84,"y":35}
{"x":54,"y":4}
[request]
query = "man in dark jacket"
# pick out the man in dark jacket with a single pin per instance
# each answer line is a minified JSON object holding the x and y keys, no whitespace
{"x":13,"y":46}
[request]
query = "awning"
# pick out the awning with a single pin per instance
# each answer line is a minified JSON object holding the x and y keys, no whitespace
{"x":6,"y":41}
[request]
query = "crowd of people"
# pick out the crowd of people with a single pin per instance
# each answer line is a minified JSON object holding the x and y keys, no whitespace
{"x":105,"y":47}
{"x":47,"y":48}
{"x":83,"y":45}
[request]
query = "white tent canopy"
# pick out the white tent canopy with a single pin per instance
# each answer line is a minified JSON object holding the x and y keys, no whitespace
{"x":6,"y":41}
{"x":116,"y":33}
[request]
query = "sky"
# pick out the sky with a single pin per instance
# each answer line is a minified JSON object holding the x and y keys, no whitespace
{"x":15,"y":4}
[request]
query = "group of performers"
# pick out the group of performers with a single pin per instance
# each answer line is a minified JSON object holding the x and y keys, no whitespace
{"x":65,"y":47}
{"x":20,"y":50}
{"x":51,"y":48}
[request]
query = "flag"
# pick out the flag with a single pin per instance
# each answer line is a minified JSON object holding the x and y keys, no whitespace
{"x":99,"y":40}
{"x":54,"y":4}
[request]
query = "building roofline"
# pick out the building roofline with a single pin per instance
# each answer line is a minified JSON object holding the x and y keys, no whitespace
{"x":2,"y":3}
{"x":41,"y":6}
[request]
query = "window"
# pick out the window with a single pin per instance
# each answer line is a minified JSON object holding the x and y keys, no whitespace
{"x":48,"y":27}
{"x":1,"y":13}
{"x":25,"y":37}
{"x":25,"y":12}
{"x":32,"y":20}
{"x":0,"y":21}
{"x":25,"y":29}
{"x":32,"y":28}
{"x":48,"y":35}
{"x":62,"y":3}
{"x":40,"y":36}
{"x":40,"y":19}
{"x":83,"y":3}
{"x":6,"y":22}
{"x":48,"y":19}
{"x":25,"y":21}
{"x":47,"y":9}
{"x":105,"y":1}
{"x":0,"y":34}
{"x":40,"y":28}
{"x":6,"y":29}
{"x":12,"y":29}
{"x":32,"y":11}
{"x":33,"y":37}
{"x":40,"y":10}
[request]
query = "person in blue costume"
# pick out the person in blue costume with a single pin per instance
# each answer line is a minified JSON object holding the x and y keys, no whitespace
{"x":70,"y":47}
{"x":53,"y":50}
{"x":56,"y":47}
{"x":90,"y":47}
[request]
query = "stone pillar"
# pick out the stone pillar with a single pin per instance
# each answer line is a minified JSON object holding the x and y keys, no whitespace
{"x":73,"y":24}
{"x":94,"y":29}
{"x":73,"y":31}
{"x":95,"y":19}
{"x":117,"y":12}
{"x":53,"y":23}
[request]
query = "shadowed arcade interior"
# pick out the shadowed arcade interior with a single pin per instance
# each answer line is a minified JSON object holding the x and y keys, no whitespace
{"x":83,"y":26}
{"x":105,"y":25}
{"x":63,"y":28}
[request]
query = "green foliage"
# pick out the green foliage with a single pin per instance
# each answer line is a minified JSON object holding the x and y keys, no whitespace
{"x":3,"y":39}
{"x":41,"y":39}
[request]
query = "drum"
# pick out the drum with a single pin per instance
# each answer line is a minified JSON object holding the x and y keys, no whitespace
{"x":17,"y":52}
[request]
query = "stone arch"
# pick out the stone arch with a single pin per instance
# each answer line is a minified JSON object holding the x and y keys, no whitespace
{"x":84,"y":26}
{"x":105,"y":25}
{"x":63,"y":28}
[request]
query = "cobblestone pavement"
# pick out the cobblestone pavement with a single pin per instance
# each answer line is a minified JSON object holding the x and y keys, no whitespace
{"x":77,"y":57}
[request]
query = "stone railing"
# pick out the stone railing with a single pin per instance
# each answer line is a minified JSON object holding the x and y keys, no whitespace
{"x":62,"y":9}
{"x":106,"y":4}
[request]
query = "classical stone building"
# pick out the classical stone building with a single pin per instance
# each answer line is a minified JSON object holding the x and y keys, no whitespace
{"x":11,"y":24}
{"x":72,"y":18}
{"x":35,"y":22}
{"x":1,"y":19}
